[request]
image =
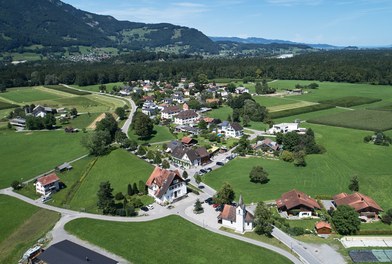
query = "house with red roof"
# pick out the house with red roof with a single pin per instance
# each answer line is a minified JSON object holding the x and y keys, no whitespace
{"x":166,"y":185}
{"x":296,"y":202}
{"x":363,"y":204}
{"x":323,"y":228}
{"x":236,"y":217}
{"x":47,"y":184}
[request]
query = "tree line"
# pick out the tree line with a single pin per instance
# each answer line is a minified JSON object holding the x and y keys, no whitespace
{"x":365,"y":66}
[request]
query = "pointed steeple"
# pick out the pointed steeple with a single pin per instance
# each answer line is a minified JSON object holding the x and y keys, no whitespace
{"x":240,"y":201}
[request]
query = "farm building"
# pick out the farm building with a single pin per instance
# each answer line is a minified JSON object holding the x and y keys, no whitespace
{"x":363,"y":204}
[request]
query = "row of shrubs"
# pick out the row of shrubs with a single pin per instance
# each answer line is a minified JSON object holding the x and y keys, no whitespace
{"x":300,"y":110}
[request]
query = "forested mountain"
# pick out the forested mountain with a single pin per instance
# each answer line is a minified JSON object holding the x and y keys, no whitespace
{"x":53,"y":23}
{"x":253,"y":40}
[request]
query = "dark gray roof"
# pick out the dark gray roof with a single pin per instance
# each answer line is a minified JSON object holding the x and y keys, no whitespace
{"x":179,"y":152}
{"x":66,"y":252}
{"x":187,"y":114}
{"x":236,"y":126}
{"x":174,"y":144}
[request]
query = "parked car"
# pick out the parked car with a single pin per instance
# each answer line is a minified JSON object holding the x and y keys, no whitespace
{"x":208,"y":200}
{"x":215,"y":205}
{"x":150,"y":207}
{"x":202,"y":171}
{"x":219,"y":163}
{"x":219,"y":208}
{"x":209,"y":169}
{"x":144,"y":208}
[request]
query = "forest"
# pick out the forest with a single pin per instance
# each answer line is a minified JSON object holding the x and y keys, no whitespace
{"x":354,"y":66}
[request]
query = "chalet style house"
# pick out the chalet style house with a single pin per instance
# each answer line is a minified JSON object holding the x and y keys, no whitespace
{"x":236,"y":217}
{"x":47,"y":184}
{"x":363,"y":204}
{"x":296,"y":202}
{"x":166,"y":186}
{"x":231,"y":129}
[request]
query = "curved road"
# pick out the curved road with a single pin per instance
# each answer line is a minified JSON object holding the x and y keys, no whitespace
{"x":307,"y":253}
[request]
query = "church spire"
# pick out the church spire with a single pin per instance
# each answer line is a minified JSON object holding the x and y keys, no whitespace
{"x":240,"y":201}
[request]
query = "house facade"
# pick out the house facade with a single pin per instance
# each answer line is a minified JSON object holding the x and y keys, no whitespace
{"x":47,"y":184}
{"x":166,"y":186}
{"x":169,"y":112}
{"x":188,"y":157}
{"x":187,"y":117}
{"x":286,"y":128}
{"x":236,"y":217}
{"x":297,"y":203}
{"x":231,"y":129}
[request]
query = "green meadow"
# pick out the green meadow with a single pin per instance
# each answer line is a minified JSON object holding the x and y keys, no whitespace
{"x":119,"y":168}
{"x":27,"y":95}
{"x":21,"y":227}
{"x":189,"y":243}
{"x":160,"y":134}
{"x":28,"y":154}
{"x":328,"y":173}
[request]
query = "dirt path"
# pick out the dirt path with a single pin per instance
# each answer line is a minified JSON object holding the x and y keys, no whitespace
{"x":99,"y":118}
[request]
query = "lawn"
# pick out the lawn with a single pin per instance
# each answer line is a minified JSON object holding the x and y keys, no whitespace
{"x":28,"y":154}
{"x":119,"y":167}
{"x":82,"y":121}
{"x":359,"y":119}
{"x":22,"y":228}
{"x":328,"y":173}
{"x":27,"y":95}
{"x":221,"y":113}
{"x":88,"y":103}
{"x":95,"y":88}
{"x":66,"y":90}
{"x":188,"y":243}
{"x":271,"y":101}
{"x":160,"y":134}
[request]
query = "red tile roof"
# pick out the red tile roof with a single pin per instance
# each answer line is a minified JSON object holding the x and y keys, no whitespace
{"x":228,"y":213}
{"x":356,"y":200}
{"x":322,"y":224}
{"x":296,"y":198}
{"x":48,"y":179}
{"x":186,"y":140}
{"x":163,"y":179}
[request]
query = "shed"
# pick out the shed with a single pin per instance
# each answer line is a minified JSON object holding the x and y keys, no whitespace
{"x":323,"y":228}
{"x":64,"y":166}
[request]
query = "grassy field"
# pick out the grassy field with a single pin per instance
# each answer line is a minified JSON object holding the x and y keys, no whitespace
{"x":25,"y":155}
{"x":300,"y":110}
{"x":188,"y":243}
{"x":359,"y":119}
{"x":283,"y":107}
{"x":95,"y":88}
{"x":349,"y":101}
{"x":328,"y":173}
{"x":22,"y":228}
{"x":221,"y":113}
{"x":120,"y":168}
{"x":271,"y":101}
{"x":66,"y":90}
{"x":27,"y":95}
{"x":161,"y":134}
{"x":5,"y":105}
{"x":82,"y":121}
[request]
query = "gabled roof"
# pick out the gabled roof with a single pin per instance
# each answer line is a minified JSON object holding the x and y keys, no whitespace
{"x":187,"y":114}
{"x":228,"y":213}
{"x":322,"y":224}
{"x":202,"y":152}
{"x":236,"y":126}
{"x":163,"y":179}
{"x":356,"y":200}
{"x":296,"y":198}
{"x":171,"y":109}
{"x":48,"y":179}
{"x":186,"y":140}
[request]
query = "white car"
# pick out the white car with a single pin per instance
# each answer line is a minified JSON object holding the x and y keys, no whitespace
{"x":150,"y":207}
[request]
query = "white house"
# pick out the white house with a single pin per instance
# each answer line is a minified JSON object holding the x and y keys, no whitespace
{"x":241,"y":90}
{"x":186,"y":117}
{"x":169,"y":112}
{"x":47,"y":184}
{"x":231,"y":129}
{"x":41,"y":111}
{"x":236,"y":217}
{"x":166,"y":185}
{"x":285,"y":128}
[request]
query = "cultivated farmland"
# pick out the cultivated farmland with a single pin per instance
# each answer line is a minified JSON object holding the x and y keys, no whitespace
{"x":349,"y":101}
{"x":358,"y":119}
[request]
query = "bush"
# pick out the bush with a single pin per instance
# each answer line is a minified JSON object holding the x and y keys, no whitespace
{"x":287,"y":156}
{"x":16,"y":185}
{"x":119,"y":196}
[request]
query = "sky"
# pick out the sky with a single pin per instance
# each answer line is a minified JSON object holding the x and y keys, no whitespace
{"x":335,"y":22}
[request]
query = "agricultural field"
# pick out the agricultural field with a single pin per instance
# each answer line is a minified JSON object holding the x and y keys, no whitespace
{"x":24,"y":95}
{"x":82,"y":120}
{"x":329,"y":173}
{"x":358,"y":119}
{"x":186,"y":241}
{"x":293,"y":105}
{"x":66,"y":90}
{"x":349,"y":101}
{"x":22,"y":228}
{"x":46,"y":149}
{"x":5,"y":105}
{"x":274,"y":101}
{"x":119,"y":167}
{"x":300,"y":110}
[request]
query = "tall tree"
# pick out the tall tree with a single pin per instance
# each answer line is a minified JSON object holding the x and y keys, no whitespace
{"x":120,"y":112}
{"x":258,"y":175}
{"x":143,"y":125}
{"x":225,"y":194}
{"x":130,"y":190}
{"x":109,"y":124}
{"x":97,"y":142}
{"x":263,"y":220}
{"x":105,"y":198}
{"x":354,"y":184}
{"x":345,"y":220}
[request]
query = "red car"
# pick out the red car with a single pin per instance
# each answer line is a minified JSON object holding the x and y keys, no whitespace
{"x":215,"y":205}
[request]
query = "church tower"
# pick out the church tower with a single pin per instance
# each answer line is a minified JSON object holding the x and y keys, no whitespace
{"x":240,"y":215}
